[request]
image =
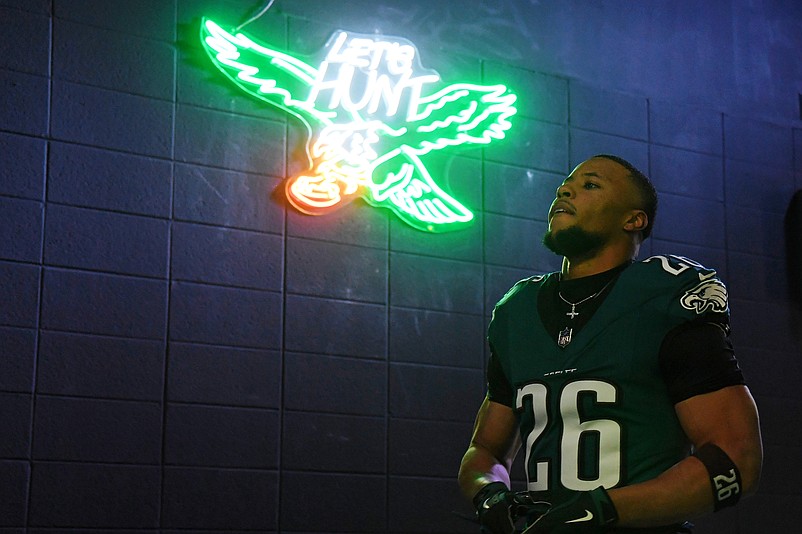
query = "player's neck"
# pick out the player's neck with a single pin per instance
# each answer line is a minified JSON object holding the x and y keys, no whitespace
{"x":608,"y":258}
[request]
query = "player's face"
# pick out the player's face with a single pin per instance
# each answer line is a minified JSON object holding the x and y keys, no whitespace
{"x":597,"y":199}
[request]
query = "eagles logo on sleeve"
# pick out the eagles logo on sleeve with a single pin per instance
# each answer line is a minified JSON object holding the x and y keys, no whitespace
{"x":710,"y":295}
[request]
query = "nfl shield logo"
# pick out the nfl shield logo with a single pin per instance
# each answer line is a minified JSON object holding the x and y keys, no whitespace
{"x":565,"y":337}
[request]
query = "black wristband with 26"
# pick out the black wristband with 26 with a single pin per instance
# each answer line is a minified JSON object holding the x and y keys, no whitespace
{"x":725,"y":478}
{"x":585,"y":512}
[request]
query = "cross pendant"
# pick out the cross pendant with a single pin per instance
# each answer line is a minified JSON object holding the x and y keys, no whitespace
{"x":573,"y":313}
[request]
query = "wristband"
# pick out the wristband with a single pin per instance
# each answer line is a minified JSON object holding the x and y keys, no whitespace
{"x":725,"y":479}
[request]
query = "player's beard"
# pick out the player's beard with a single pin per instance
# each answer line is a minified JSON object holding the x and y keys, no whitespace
{"x":574,"y":242}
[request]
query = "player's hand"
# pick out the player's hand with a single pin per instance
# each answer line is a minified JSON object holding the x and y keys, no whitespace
{"x":498,"y":509}
{"x":494,"y":509}
{"x":585,"y":512}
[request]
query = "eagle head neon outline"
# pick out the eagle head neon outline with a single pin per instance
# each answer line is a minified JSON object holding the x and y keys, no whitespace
{"x":372,"y":115}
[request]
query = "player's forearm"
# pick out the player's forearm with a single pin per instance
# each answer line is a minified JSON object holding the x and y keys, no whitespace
{"x":492,"y":448}
{"x":478,"y":468}
{"x":682,"y":492}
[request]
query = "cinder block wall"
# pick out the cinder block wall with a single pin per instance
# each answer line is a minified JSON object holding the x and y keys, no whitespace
{"x":180,"y":351}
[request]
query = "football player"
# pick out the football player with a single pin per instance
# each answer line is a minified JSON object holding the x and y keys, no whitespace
{"x":616,"y":377}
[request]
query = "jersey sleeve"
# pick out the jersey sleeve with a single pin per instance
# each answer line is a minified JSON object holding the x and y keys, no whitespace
{"x":699,"y":293}
{"x":684,"y":289}
{"x":499,"y":388}
{"x":696,"y":355}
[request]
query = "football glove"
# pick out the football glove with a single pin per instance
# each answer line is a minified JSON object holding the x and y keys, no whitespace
{"x":585,"y":512}
{"x":499,"y":509}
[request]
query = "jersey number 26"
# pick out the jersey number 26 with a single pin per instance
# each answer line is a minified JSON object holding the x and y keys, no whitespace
{"x":607,"y":434}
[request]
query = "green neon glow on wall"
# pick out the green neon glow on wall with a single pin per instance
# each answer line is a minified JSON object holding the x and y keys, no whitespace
{"x":373,"y":145}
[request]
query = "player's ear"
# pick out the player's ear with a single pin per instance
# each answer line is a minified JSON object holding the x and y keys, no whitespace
{"x":637,"y":221}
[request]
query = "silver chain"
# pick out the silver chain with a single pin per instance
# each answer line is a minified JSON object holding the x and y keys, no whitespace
{"x":573,"y":313}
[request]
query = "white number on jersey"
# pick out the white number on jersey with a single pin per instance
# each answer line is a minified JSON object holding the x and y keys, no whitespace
{"x":683,"y":263}
{"x":573,"y":429}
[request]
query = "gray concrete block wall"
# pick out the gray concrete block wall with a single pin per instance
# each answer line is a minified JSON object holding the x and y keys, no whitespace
{"x":179,"y":350}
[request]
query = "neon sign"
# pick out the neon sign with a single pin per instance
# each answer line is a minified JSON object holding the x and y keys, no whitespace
{"x":371,"y":119}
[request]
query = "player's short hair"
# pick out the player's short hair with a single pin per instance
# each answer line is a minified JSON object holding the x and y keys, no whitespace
{"x":646,"y":190}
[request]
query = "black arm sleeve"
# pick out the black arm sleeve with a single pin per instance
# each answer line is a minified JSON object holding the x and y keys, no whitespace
{"x":696,"y":358}
{"x":499,"y":388}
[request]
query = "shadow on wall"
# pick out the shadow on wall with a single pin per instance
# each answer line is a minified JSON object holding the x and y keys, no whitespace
{"x":793,"y":248}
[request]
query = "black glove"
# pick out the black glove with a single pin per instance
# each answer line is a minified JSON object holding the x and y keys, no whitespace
{"x":585,"y":512}
{"x":498,"y":508}
{"x":493,"y":508}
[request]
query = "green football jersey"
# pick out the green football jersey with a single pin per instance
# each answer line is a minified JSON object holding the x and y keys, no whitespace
{"x":597,"y":412}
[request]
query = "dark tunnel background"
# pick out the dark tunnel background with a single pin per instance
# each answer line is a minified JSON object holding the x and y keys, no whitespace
{"x":181,"y":351}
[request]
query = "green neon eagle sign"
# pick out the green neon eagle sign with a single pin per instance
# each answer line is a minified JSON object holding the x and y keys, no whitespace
{"x":372,"y":113}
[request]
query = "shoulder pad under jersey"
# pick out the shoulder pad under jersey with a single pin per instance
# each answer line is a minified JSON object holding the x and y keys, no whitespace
{"x":695,"y":289}
{"x":519,"y":285}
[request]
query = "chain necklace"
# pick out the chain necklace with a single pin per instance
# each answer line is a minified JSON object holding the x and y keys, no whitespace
{"x":573,"y":313}
{"x":566,"y":335}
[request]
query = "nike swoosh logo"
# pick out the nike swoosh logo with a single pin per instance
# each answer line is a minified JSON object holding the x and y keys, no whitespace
{"x":588,"y":517}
